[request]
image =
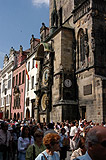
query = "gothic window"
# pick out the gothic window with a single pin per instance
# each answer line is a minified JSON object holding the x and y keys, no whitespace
{"x":80,"y":56}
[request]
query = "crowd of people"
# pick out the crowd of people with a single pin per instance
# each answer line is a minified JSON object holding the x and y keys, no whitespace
{"x":29,"y":140}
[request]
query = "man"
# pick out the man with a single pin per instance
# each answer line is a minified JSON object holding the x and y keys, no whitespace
{"x":95,"y":144}
{"x":73,"y":134}
{"x":50,"y":129}
{"x":5,"y":138}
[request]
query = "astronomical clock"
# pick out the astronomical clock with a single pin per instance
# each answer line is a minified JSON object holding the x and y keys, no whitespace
{"x":43,"y":92}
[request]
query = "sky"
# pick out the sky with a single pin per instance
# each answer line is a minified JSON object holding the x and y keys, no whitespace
{"x":19,"y":19}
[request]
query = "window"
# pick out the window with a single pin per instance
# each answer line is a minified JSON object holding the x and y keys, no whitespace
{"x":13,"y":82}
{"x":33,"y":63}
{"x":9,"y":83}
{"x":27,"y":101}
{"x":33,"y":82}
{"x":23,"y":76}
{"x":7,"y":99}
{"x":28,"y":66}
{"x":82,"y":47}
{"x":16,"y":80}
{"x":27,"y":85}
{"x":80,"y":56}
{"x":19,"y":78}
{"x":3,"y":87}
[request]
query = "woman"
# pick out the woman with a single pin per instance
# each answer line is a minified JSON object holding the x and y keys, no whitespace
{"x":23,"y":142}
{"x":64,"y":144}
{"x":51,"y":141}
{"x":35,"y":149}
{"x":80,"y":148}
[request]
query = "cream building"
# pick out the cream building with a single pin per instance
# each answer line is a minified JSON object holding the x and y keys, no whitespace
{"x":6,"y":83}
{"x":31,"y":71}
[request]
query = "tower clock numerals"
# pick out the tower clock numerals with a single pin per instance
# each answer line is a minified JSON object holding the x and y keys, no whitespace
{"x":67,"y":83}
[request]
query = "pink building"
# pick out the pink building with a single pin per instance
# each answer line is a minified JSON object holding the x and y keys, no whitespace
{"x":18,"y":87}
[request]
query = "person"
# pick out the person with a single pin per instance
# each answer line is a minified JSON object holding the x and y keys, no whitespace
{"x":73,"y":134}
{"x":5,"y":139}
{"x":95,"y":144}
{"x":35,"y":149}
{"x":50,"y":129}
{"x":80,"y":148}
{"x":23,"y":142}
{"x":64,"y":144}
{"x":51,"y":141}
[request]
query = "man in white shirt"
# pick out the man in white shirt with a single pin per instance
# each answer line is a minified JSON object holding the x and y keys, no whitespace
{"x":73,"y":132}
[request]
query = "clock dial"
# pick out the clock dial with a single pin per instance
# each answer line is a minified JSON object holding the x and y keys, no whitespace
{"x":45,"y":77}
{"x":43,"y":102}
{"x":67,"y":83}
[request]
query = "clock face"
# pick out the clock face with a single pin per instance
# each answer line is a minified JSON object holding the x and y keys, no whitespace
{"x":45,"y":77}
{"x":67,"y":83}
{"x":43,"y":102}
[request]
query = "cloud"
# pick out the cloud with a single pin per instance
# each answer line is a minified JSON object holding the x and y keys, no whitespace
{"x":40,"y":2}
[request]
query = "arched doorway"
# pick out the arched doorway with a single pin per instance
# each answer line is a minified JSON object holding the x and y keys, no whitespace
{"x":27,"y":113}
{"x":15,"y":116}
{"x":18,"y":115}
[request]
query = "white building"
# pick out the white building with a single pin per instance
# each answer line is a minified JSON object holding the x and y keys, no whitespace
{"x":31,"y":71}
{"x":6,"y":83}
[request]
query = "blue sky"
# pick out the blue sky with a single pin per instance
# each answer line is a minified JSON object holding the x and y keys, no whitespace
{"x":19,"y":19}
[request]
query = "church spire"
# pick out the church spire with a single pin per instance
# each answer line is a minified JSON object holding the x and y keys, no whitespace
{"x":54,"y":7}
{"x":54,"y":17}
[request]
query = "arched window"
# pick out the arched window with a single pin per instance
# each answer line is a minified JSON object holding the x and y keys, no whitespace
{"x":82,"y":54}
{"x":80,"y":59}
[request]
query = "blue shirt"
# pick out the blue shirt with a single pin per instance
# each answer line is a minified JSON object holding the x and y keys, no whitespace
{"x":55,"y":156}
{"x":85,"y":157}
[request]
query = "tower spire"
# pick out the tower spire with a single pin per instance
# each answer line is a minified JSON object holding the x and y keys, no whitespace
{"x":54,"y":17}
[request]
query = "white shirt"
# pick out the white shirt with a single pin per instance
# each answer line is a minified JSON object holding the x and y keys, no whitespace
{"x":73,"y":130}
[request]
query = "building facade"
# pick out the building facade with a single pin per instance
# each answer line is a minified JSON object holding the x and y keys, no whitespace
{"x":6,"y":84}
{"x":72,"y":60}
{"x":31,"y":72}
{"x":18,"y":85}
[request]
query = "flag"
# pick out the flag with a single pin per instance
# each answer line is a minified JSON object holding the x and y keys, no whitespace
{"x":27,"y":74}
{"x":36,"y":65}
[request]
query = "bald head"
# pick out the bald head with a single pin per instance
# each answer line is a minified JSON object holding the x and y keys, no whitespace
{"x":96,"y":142}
